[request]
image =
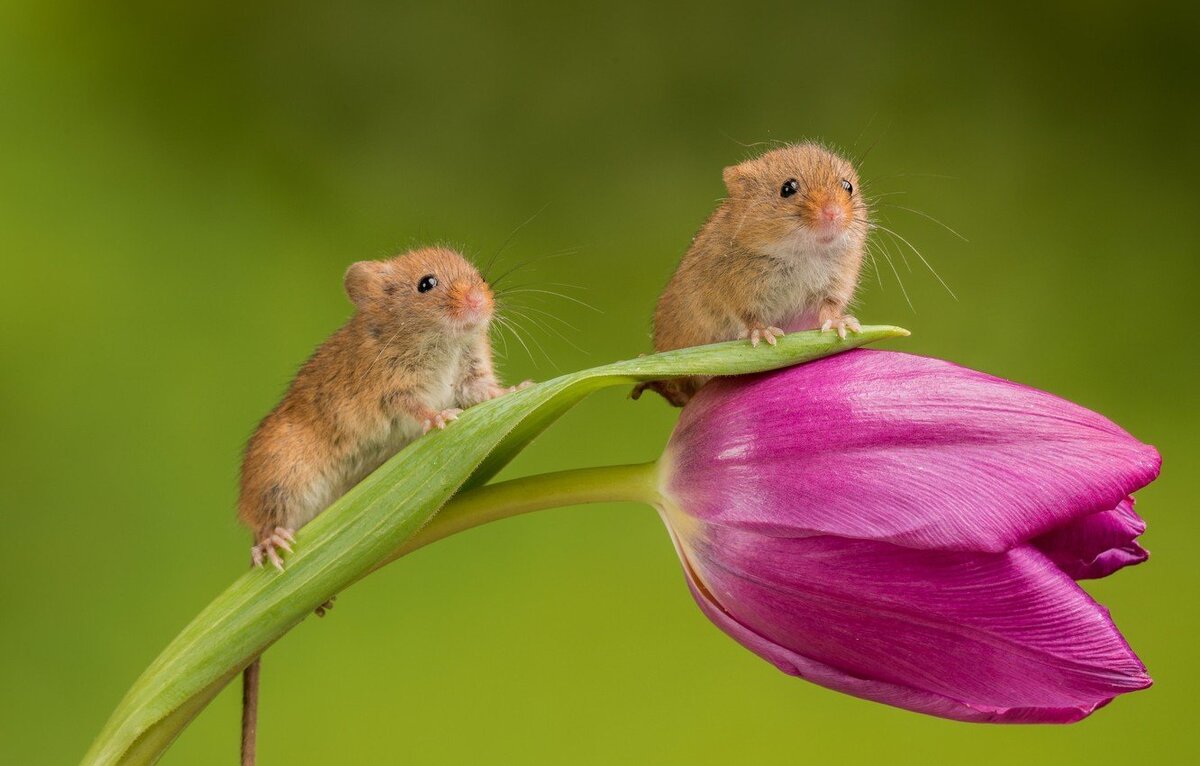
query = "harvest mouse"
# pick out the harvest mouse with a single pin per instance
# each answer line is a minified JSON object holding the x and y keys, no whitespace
{"x":781,"y":253}
{"x":415,"y":352}
{"x":413,"y":355}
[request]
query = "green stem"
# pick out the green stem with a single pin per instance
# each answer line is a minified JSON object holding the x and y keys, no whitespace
{"x":374,"y":521}
{"x":614,"y":483}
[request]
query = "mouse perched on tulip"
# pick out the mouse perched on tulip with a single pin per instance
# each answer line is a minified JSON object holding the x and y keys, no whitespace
{"x":415,"y":353}
{"x":781,"y":253}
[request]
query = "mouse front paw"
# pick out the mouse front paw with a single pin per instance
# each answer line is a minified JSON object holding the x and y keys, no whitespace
{"x":277,"y":538}
{"x":758,"y":332}
{"x":439,"y":420}
{"x":841,"y":325}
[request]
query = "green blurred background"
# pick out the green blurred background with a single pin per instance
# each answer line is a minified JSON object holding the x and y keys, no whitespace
{"x":182,"y":187}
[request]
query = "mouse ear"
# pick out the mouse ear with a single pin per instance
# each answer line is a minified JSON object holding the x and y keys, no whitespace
{"x":359,"y":279}
{"x":734,"y":180}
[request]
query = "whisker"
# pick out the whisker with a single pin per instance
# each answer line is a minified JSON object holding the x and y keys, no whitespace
{"x":530,"y":262}
{"x":918,"y":254}
{"x":382,"y":350}
{"x":875,"y":266}
{"x":541,"y":324}
{"x":510,"y":288}
{"x":768,"y":142}
{"x":550,"y":315}
{"x":858,"y":163}
{"x":733,"y":237}
{"x":503,"y":340}
{"x":931,"y":218}
{"x":916,"y":175}
{"x":899,"y":249}
{"x":866,"y":127}
{"x":899,"y":281}
{"x":566,"y":285}
{"x":573,"y":299}
{"x":508,"y":325}
{"x":508,"y":240}
{"x":881,"y":195}
{"x":536,"y":342}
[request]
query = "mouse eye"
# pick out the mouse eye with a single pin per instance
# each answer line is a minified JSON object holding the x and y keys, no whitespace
{"x":427,"y":283}
{"x":790,"y":187}
{"x":849,"y":187}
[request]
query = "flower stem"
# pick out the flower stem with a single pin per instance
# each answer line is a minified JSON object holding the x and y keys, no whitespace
{"x":613,"y":483}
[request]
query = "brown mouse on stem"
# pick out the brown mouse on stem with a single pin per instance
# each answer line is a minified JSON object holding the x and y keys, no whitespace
{"x":413,"y":356}
{"x":781,"y":253}
{"x":415,"y":353}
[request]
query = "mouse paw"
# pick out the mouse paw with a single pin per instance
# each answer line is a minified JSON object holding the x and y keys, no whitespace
{"x":323,"y":608}
{"x":440,"y":419}
{"x":841,"y":325}
{"x":266,"y":548}
{"x":759,"y":332}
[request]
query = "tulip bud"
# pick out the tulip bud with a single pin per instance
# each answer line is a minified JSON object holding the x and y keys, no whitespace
{"x":909,"y":531}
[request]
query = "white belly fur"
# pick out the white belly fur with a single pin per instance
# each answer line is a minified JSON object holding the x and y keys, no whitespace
{"x":384,"y":439}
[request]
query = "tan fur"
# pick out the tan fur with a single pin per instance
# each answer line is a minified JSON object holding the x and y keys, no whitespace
{"x":762,"y":260}
{"x":402,"y":358}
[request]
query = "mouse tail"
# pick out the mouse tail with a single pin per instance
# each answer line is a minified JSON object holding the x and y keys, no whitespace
{"x":250,"y":711}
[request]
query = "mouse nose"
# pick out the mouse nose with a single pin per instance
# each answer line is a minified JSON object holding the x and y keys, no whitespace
{"x":476,"y":302}
{"x":473,"y":299}
{"x":831,"y":213}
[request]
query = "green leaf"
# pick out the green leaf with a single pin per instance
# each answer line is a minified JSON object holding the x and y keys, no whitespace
{"x":376,"y":517}
{"x":733,"y":358}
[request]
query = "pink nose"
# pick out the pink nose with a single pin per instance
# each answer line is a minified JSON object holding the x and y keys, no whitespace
{"x":831,"y":213}
{"x":474,"y":300}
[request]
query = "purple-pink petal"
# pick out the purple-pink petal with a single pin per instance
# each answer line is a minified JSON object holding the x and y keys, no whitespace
{"x":999,"y":637}
{"x":899,"y":448}
{"x":1096,"y":545}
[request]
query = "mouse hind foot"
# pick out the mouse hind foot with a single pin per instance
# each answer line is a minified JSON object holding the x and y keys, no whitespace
{"x":325,"y":607}
{"x":676,"y":392}
{"x":266,"y":549}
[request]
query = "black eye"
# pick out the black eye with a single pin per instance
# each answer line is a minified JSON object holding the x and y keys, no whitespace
{"x":849,"y":187}
{"x":790,"y":187}
{"x":427,"y":283}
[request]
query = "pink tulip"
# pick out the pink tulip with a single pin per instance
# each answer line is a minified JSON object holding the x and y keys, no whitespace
{"x":909,"y":531}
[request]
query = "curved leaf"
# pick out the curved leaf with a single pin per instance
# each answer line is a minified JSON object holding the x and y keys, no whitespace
{"x":374,"y":518}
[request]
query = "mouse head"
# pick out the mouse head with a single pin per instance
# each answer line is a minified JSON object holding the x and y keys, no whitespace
{"x":430,"y":289}
{"x":799,"y":196}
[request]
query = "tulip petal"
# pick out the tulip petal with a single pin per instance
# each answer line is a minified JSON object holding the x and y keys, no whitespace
{"x":1096,"y":545}
{"x":901,"y":448}
{"x":990,"y":637}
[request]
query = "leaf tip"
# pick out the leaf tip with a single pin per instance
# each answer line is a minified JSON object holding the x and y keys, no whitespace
{"x":886,"y":331}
